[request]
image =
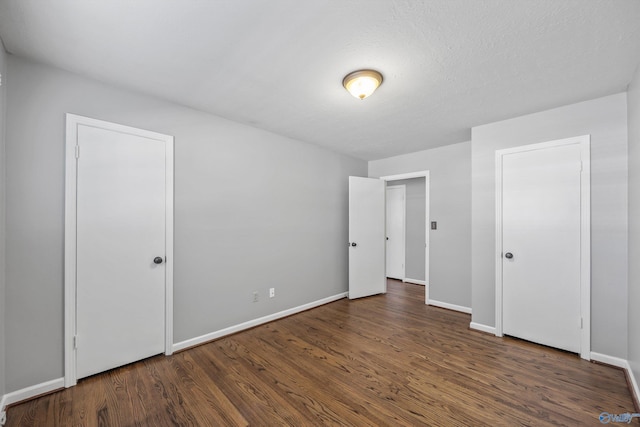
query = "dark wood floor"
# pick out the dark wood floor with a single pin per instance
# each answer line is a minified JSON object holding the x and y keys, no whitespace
{"x":386,"y":360}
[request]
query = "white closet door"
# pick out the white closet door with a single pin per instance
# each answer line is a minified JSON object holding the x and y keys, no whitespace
{"x":120,"y":231}
{"x":541,"y":266}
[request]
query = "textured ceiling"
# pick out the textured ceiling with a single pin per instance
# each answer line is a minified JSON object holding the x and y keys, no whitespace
{"x":278,"y":64}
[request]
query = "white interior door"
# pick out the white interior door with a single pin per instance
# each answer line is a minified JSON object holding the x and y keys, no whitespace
{"x":366,"y":237}
{"x":120,"y":271}
{"x":396,"y":225}
{"x":541,"y":242}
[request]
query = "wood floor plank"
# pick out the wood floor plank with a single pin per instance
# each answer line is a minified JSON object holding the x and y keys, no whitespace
{"x":386,"y":360}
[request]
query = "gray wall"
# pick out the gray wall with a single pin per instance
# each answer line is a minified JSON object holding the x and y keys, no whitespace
{"x":253,"y":210}
{"x":605,"y":119}
{"x":3,"y":92}
{"x":450,"y":205}
{"x":634,"y":226}
{"x":414,"y":227}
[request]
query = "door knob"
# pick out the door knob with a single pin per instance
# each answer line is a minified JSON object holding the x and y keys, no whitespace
{"x":508,"y":255}
{"x":354,"y":244}
{"x":158,"y":260}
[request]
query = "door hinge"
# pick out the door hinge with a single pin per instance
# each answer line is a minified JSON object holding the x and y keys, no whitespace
{"x":77,"y":151}
{"x":75,"y":342}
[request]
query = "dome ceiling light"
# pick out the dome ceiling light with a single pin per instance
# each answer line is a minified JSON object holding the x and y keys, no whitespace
{"x":362,"y":83}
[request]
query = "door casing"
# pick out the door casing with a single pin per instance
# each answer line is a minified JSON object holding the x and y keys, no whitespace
{"x":585,"y":234}
{"x":72,"y":123}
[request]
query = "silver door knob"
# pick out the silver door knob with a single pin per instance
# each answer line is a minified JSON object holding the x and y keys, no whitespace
{"x":508,"y":255}
{"x":157,"y":260}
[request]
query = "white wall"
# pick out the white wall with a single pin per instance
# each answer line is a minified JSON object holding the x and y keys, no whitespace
{"x":605,"y":119}
{"x":450,"y":205}
{"x":415,"y":226}
{"x":633,"y":299}
{"x":253,"y":210}
{"x":3,"y":92}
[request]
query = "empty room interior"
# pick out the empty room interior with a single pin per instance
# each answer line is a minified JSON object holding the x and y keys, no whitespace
{"x":390,"y":212}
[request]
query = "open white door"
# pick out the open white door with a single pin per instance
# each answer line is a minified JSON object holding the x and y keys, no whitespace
{"x":366,"y":237}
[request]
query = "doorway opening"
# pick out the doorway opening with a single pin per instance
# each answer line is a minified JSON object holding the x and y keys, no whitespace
{"x":416,"y":226}
{"x":396,"y":231}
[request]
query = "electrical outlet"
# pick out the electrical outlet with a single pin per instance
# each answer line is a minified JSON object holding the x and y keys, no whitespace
{"x":255,"y":296}
{"x":272,"y":292}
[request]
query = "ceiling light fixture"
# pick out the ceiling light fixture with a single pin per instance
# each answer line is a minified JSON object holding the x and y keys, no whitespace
{"x":362,"y":83}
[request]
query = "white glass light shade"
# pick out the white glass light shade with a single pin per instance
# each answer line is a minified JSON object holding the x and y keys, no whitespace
{"x":362,"y":83}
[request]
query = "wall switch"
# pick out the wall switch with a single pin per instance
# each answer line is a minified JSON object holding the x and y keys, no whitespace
{"x":255,"y":296}
{"x":272,"y":292}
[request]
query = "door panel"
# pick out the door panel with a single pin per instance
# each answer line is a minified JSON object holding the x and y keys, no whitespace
{"x":366,"y":237}
{"x":120,"y":230}
{"x":395,"y":208}
{"x":541,"y":219}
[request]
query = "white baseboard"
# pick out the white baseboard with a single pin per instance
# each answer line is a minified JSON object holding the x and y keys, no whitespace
{"x":483,"y":328}
{"x":251,"y":323}
{"x":414,"y":281}
{"x":3,"y":410}
{"x":449,"y":306}
{"x":634,"y":383}
{"x":609,"y":360}
{"x":620,"y":363}
{"x":30,"y":392}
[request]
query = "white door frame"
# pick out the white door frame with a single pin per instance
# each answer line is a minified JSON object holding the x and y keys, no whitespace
{"x":73,"y":121}
{"x":404,"y":226}
{"x":425,"y":175}
{"x":585,"y":233}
